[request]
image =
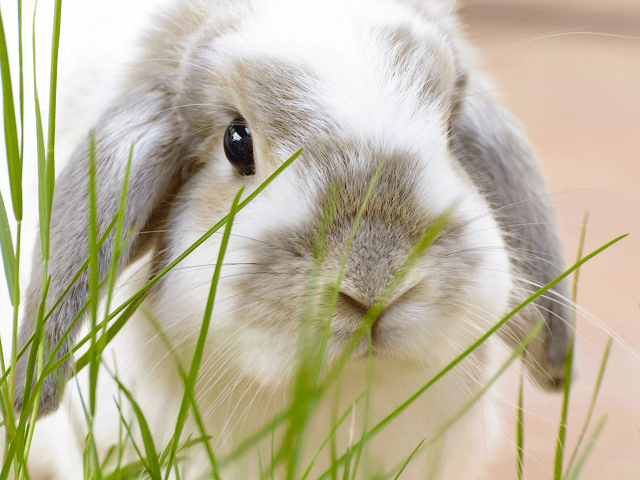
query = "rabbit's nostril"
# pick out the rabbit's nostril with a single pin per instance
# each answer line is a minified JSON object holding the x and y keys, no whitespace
{"x":361,"y":309}
{"x":357,"y":305}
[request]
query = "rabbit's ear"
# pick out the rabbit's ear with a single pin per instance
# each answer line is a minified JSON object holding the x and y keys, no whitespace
{"x":143,"y":118}
{"x":492,"y":148}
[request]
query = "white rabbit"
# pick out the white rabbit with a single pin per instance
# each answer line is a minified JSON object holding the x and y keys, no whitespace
{"x":222,"y":93}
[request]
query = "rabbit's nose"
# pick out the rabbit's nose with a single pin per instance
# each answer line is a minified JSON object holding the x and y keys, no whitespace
{"x":353,"y":301}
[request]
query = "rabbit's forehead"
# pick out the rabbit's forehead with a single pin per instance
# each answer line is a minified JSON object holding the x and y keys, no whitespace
{"x":331,"y":63}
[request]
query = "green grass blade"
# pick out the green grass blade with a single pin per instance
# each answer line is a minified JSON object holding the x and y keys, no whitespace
{"x":576,"y":277}
{"x":204,"y":330}
{"x":91,"y":460}
{"x":352,"y":235}
{"x":372,"y":314}
{"x":131,"y":471}
{"x":6,"y":246}
{"x":137,"y":298}
{"x":260,"y":462}
{"x":118,"y":242}
{"x":38,"y":336}
{"x":107,"y":458}
{"x":331,"y":434}
{"x":14,"y":157}
{"x":519,"y":350}
{"x":312,"y":329}
{"x":94,"y":273}
{"x":152,"y":457}
{"x":408,"y":460}
{"x":123,"y":421}
{"x":21,"y":74}
{"x":596,"y":391}
{"x":64,"y":294}
{"x":520,"y":429}
{"x":188,"y":391}
{"x":55,"y":47}
{"x":562,"y":428}
{"x":249,"y":442}
{"x":575,"y":474}
{"x":383,"y":423}
{"x":130,"y":305}
{"x":44,"y":207}
{"x":367,"y":412}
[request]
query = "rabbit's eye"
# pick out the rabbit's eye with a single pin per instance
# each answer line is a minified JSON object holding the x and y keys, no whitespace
{"x":238,"y":146}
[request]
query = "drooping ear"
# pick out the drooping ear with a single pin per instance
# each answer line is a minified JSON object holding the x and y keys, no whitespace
{"x":143,"y":118}
{"x":496,"y":154}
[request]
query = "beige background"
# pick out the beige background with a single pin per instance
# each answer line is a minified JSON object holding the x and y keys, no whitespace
{"x":578,"y":97}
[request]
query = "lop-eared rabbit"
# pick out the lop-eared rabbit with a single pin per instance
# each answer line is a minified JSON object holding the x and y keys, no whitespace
{"x":220,"y":95}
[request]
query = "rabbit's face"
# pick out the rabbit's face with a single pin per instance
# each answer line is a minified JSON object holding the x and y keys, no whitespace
{"x":352,"y":89}
{"x":222,"y":93}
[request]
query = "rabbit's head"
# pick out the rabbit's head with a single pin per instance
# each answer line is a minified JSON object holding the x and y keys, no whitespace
{"x":222,"y":94}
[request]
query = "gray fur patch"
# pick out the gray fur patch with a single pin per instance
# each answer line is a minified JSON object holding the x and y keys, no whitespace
{"x":496,"y":154}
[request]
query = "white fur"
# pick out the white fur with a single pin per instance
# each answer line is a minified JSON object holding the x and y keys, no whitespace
{"x":248,"y":364}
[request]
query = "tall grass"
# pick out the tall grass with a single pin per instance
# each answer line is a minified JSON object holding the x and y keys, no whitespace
{"x":314,"y":377}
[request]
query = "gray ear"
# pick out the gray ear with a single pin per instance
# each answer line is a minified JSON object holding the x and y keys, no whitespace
{"x":143,"y":118}
{"x":496,"y":154}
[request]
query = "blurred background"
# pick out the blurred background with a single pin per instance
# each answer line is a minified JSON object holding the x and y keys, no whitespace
{"x":570,"y":71}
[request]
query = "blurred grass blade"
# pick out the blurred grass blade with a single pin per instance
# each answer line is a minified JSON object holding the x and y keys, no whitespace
{"x":131,"y":304}
{"x":408,"y":460}
{"x":8,"y":253}
{"x":44,"y":208}
{"x":64,"y":294}
{"x":152,"y":456}
{"x":383,"y":423}
{"x":118,"y":241}
{"x":575,"y":474}
{"x":309,"y":344}
{"x":562,"y":428}
{"x":331,"y":434}
{"x":520,"y":429}
{"x":14,"y":157}
{"x":352,"y":235}
{"x":127,"y":425}
{"x":94,"y":273}
{"x":139,"y":296}
{"x":372,"y":314}
{"x":91,"y":460}
{"x":131,"y":471}
{"x":53,"y":90}
{"x":519,"y":350}
{"x":576,"y":277}
{"x":596,"y":391}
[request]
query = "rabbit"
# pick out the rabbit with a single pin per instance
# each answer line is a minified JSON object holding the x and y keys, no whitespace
{"x":221,"y":93}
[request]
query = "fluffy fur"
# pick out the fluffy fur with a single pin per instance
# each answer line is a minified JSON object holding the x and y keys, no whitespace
{"x":353,"y":82}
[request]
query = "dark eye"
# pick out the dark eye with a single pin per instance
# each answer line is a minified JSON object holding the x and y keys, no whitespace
{"x":238,"y":146}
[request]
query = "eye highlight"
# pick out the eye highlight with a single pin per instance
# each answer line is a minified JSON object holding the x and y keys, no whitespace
{"x":238,"y":146}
